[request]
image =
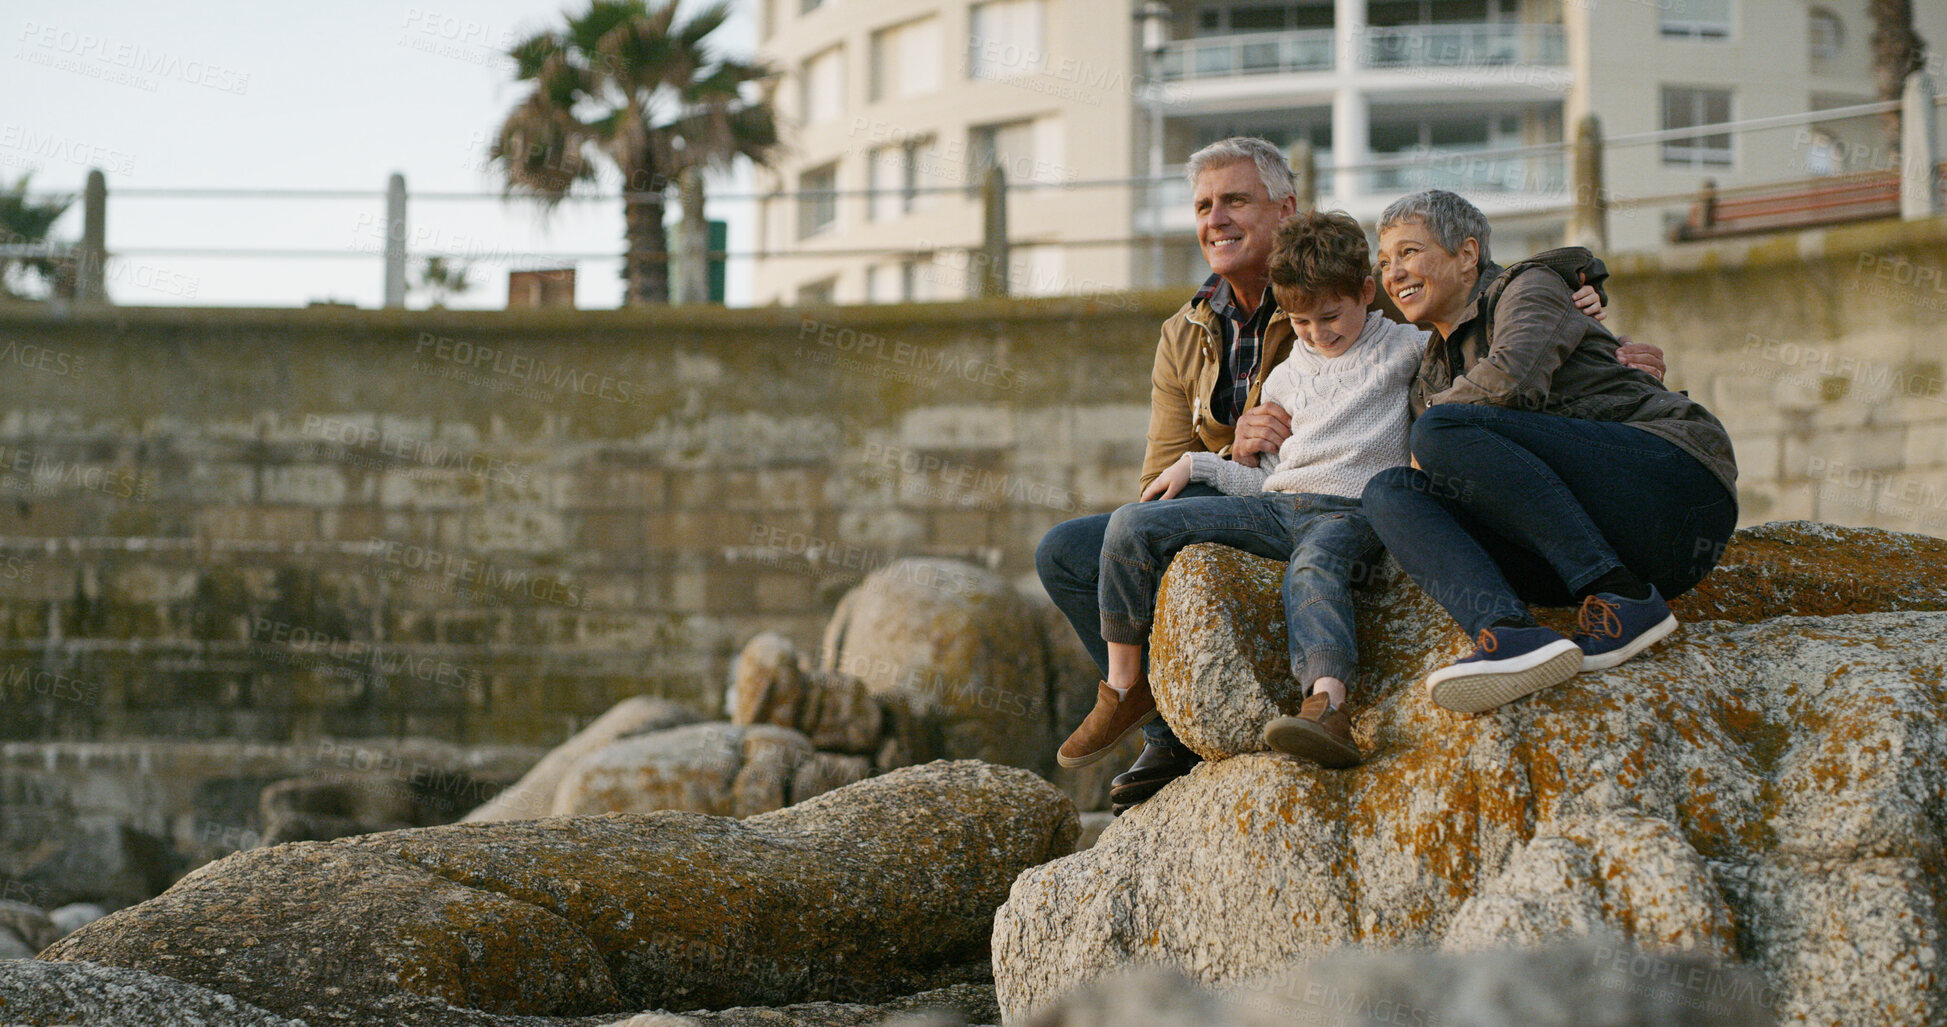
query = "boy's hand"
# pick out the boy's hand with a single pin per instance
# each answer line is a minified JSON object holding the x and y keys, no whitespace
{"x":1261,"y":429}
{"x":1167,"y":484}
{"x":1588,"y":302}
{"x":1640,"y":355}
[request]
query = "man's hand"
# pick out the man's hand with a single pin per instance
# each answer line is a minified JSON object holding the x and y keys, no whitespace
{"x":1261,"y":429}
{"x":1640,"y":355}
{"x":1167,"y":484}
{"x":1588,"y":302}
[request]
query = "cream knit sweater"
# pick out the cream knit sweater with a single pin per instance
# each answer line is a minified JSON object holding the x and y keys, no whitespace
{"x":1348,"y":417}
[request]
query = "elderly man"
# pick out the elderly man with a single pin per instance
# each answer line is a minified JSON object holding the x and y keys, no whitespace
{"x":1211,"y":362}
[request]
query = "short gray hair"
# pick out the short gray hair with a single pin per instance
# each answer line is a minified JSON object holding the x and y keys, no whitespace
{"x":1449,"y":216}
{"x":1272,"y":165}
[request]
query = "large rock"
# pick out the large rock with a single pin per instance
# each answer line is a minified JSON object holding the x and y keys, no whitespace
{"x":720,"y":769}
{"x":952,"y":1006}
{"x":28,"y":923}
{"x":1771,"y":790}
{"x":533,"y":795}
{"x":775,"y":685}
{"x":1577,"y":985}
{"x":961,"y":648}
{"x":33,"y":992}
{"x":860,"y":894}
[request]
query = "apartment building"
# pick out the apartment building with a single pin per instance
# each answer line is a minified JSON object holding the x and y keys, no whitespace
{"x":896,"y":108}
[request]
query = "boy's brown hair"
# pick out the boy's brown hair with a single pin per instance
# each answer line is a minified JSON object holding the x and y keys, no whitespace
{"x":1318,"y":254}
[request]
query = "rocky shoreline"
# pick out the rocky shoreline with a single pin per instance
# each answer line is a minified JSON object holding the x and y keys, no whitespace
{"x":1742,"y":826}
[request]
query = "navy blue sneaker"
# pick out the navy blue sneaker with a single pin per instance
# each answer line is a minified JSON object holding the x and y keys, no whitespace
{"x":1509,"y":663}
{"x":1612,"y":629}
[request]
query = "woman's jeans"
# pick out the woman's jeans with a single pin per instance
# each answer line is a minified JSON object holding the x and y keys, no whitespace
{"x":1512,"y":507}
{"x":1326,"y":540}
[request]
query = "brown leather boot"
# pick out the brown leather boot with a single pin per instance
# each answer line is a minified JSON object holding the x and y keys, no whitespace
{"x":1320,"y":732}
{"x":1114,"y":715}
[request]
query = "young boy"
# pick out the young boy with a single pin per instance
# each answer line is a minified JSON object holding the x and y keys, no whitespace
{"x":1346,"y":388}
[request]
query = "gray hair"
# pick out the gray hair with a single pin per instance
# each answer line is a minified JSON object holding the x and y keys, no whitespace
{"x":1449,"y":216}
{"x":1272,"y":165}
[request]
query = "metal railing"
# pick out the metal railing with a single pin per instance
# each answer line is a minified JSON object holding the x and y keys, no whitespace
{"x":1532,"y":180}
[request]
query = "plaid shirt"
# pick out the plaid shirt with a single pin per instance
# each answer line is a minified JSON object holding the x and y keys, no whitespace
{"x":1243,"y":345}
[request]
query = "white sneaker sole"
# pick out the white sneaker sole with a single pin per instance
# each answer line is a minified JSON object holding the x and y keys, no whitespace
{"x":1642,"y":642}
{"x":1473,"y":688}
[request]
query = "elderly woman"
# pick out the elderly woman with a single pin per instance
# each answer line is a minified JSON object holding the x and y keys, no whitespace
{"x":1543,"y":470}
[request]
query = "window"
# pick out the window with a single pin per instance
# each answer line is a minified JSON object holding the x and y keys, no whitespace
{"x":896,"y":175}
{"x":1696,"y":19}
{"x":822,"y":86}
{"x":1004,"y":39}
{"x":1025,"y":151}
{"x":1685,"y":107}
{"x":808,"y":6}
{"x":906,"y":59}
{"x":817,"y":200}
{"x":1828,"y":34}
{"x":823,"y":292}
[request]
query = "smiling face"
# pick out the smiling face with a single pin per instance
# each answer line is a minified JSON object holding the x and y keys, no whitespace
{"x":1236,"y":223}
{"x":1327,"y":324}
{"x":1430,"y":283}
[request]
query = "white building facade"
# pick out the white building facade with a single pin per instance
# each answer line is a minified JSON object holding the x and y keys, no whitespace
{"x":895,"y":109}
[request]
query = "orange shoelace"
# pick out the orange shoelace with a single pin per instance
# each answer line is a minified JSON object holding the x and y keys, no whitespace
{"x":1487,"y":642}
{"x":1598,"y":616}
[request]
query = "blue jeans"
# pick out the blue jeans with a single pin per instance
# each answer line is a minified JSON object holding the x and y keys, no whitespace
{"x":1326,"y":540}
{"x":1512,"y":507}
{"x":1069,"y":562}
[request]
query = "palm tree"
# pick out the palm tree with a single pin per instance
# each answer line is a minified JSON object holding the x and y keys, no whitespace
{"x":441,"y":281}
{"x":629,"y":83}
{"x":24,"y":222}
{"x":1898,"y":51}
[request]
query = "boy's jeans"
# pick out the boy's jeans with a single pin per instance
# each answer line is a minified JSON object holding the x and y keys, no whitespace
{"x":1069,"y":561}
{"x":1326,"y":540}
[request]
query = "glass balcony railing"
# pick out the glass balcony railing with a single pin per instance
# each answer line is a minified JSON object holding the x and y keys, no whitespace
{"x":1471,"y":171}
{"x":1468,"y":170}
{"x":1411,"y":46}
{"x":1448,"y":46}
{"x":1256,"y":54}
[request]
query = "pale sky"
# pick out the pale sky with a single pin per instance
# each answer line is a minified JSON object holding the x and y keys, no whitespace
{"x":252,"y":96}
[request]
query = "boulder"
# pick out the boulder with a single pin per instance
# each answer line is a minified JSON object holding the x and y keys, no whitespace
{"x":533,"y":795}
{"x":822,"y":772}
{"x":27,"y":923}
{"x":12,"y":947}
{"x":959,"y":646}
{"x":33,"y":992}
{"x":1768,"y":788}
{"x":774,"y":685}
{"x":74,"y":916}
{"x":1586,"y":984}
{"x":952,"y":1006}
{"x":720,"y":769}
{"x":306,"y":809}
{"x":860,"y":894}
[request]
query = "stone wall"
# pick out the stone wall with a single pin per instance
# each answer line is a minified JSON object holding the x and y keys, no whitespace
{"x":488,"y":527}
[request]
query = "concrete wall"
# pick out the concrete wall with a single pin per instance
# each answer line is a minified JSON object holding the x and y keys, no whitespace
{"x":485,"y":527}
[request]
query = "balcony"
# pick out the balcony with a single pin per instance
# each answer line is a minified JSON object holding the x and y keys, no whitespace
{"x":1458,"y":46}
{"x":1464,"y":46}
{"x":1256,"y":54}
{"x":1498,"y":181}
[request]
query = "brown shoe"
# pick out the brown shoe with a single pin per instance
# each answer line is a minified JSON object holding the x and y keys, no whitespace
{"x":1114,"y":716}
{"x":1320,"y":732}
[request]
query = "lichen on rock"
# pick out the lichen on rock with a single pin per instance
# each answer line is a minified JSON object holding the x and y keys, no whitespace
{"x":1763,"y":786}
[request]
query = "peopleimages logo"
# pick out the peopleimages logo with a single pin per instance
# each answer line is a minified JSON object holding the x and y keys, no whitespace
{"x":85,"y":53}
{"x":519,"y":367}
